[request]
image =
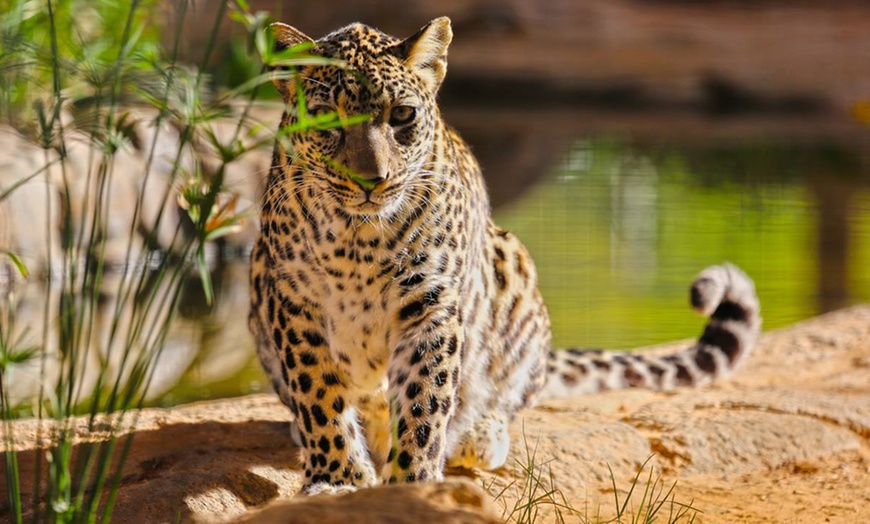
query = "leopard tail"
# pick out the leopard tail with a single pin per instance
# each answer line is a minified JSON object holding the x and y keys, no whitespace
{"x":724,"y":293}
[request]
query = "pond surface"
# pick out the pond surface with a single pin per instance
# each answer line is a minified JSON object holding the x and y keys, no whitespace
{"x":618,"y":232}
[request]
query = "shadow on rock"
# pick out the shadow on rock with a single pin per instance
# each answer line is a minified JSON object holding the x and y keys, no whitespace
{"x":181,"y":470}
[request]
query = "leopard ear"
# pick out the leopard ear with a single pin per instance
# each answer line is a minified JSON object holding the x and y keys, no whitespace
{"x":285,"y":37}
{"x":288,"y":36}
{"x":425,"y":52}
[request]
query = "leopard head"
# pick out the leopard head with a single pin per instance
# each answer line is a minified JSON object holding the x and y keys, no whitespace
{"x":383,"y":90}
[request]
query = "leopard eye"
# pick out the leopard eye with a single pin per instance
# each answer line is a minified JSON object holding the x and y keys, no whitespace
{"x":319,"y":110}
{"x":401,"y":115}
{"x":330,"y":131}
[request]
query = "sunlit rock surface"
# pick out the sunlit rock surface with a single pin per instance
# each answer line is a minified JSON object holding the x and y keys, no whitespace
{"x":784,"y":440}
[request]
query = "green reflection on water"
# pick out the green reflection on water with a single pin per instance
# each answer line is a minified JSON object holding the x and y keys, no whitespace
{"x":617,"y":237}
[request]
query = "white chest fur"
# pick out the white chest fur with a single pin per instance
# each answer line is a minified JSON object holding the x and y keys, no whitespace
{"x":356,"y":332}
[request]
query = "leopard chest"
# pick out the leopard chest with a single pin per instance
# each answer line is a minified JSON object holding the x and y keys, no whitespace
{"x":343,"y":284}
{"x":356,"y":325}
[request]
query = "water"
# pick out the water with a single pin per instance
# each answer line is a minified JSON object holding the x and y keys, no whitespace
{"x":618,"y":234}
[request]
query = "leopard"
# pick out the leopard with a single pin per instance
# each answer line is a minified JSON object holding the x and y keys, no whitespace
{"x":401,"y":326}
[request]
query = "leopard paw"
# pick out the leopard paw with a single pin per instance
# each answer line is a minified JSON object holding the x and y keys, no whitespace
{"x":324,"y":488}
{"x":485,"y":447}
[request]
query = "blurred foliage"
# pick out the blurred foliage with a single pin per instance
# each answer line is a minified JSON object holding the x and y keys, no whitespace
{"x":73,"y":68}
{"x":87,"y":49}
{"x":236,"y":68}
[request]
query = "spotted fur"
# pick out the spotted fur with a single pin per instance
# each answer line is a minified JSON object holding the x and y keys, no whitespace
{"x":402,"y":327}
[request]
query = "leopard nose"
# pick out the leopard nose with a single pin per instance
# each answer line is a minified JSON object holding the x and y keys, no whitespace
{"x":368,"y":183}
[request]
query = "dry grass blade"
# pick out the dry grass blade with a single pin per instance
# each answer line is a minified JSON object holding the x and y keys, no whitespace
{"x":533,"y":495}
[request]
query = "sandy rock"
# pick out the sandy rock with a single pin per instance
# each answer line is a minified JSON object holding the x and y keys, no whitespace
{"x":454,"y":501}
{"x":786,"y":439}
{"x":732,"y":433}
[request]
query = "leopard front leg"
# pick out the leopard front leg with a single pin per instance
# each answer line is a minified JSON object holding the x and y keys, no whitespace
{"x":333,"y":448}
{"x":423,"y":383}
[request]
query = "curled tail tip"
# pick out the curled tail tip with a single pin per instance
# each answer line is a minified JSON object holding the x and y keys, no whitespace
{"x":724,"y":293}
{"x":721,"y":284}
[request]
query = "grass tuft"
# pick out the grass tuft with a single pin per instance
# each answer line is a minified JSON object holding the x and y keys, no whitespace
{"x":535,"y":496}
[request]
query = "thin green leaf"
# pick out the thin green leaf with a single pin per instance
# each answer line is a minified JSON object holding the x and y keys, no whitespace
{"x":205,"y":277}
{"x":259,"y":80}
{"x":21,"y":181}
{"x":346,"y":171}
{"x":19,"y":264}
{"x":17,"y":357}
{"x":322,"y":123}
{"x":223,"y":231}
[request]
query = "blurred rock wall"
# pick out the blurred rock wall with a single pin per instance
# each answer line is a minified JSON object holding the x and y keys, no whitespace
{"x":763,"y":55}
